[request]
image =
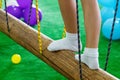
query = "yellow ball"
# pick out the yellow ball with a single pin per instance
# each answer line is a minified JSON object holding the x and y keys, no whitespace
{"x":16,"y":58}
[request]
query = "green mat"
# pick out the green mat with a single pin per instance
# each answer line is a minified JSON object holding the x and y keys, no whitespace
{"x":32,"y":68}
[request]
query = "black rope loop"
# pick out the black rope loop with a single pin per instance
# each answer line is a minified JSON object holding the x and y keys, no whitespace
{"x":111,"y":35}
{"x":6,"y":14}
{"x":30,"y":12}
{"x":78,"y":32}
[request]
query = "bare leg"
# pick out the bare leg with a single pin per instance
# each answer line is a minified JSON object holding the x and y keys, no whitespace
{"x":68,"y":11}
{"x":91,"y":17}
{"x":92,"y":24}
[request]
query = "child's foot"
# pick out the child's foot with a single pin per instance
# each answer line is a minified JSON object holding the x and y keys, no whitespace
{"x":90,"y":59}
{"x":68,"y":43}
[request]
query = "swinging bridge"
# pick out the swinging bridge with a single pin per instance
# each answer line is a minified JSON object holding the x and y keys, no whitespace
{"x":61,"y":61}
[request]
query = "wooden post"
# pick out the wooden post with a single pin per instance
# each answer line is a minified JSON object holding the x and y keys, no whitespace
{"x":62,"y":61}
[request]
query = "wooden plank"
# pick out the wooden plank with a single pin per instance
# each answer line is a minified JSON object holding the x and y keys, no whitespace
{"x":62,"y":61}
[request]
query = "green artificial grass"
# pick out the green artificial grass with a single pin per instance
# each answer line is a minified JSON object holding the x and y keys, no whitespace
{"x":32,"y":68}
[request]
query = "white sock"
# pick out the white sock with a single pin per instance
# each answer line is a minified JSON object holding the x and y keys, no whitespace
{"x":70,"y":42}
{"x":90,"y":58}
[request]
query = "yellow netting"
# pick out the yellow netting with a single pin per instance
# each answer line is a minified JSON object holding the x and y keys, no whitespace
{"x":64,"y":33}
{"x":0,"y":3}
{"x":38,"y":23}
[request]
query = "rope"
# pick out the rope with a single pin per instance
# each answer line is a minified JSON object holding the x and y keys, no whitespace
{"x":30,"y":13}
{"x":38,"y":23}
{"x":7,"y":16}
{"x":0,"y":3}
{"x":64,"y":32}
{"x":78,"y":28}
{"x":110,"y":41}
